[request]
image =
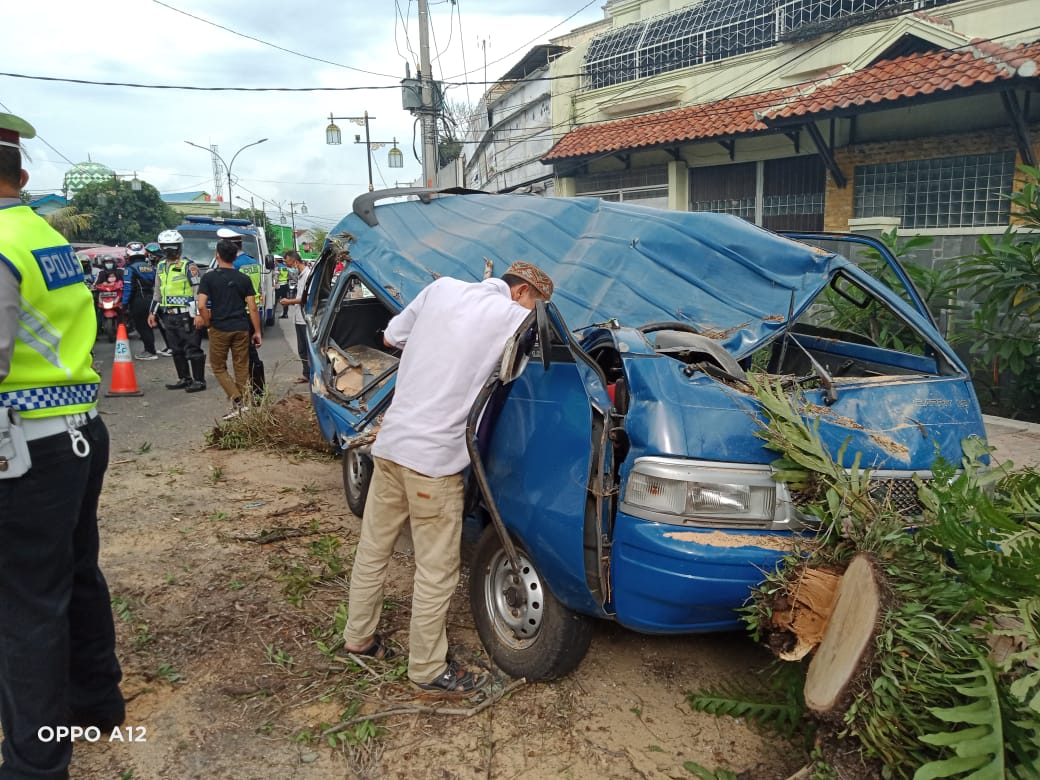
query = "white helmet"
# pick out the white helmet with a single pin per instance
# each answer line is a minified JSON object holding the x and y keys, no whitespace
{"x":170,"y":237}
{"x":170,"y":241}
{"x":228,"y":234}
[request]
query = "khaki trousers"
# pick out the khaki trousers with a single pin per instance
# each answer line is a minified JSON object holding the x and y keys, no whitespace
{"x":433,"y":508}
{"x":237,"y":343}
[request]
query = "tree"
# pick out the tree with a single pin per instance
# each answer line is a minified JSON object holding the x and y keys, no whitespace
{"x":69,"y":222}
{"x":455,"y":123}
{"x":1005,"y":335}
{"x":119,"y":214}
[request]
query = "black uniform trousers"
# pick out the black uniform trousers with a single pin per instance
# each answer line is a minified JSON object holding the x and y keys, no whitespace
{"x":139,"y":314}
{"x":57,"y":639}
{"x":185,"y":343}
{"x":282,"y":292}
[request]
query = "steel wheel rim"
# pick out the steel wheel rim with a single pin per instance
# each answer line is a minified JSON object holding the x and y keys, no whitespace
{"x":515,"y":602}
{"x":354,"y":471}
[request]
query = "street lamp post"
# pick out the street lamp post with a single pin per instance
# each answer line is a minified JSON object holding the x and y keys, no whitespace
{"x":227,"y":166}
{"x":334,"y":137}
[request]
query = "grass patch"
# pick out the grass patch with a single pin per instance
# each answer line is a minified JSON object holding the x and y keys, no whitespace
{"x":287,"y":425}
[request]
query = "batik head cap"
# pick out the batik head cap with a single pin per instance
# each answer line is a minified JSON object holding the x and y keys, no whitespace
{"x":13,"y":129}
{"x":534,"y":276}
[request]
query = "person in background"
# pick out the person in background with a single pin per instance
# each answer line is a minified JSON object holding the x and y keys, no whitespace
{"x":245,"y":263}
{"x":177,"y":283}
{"x":155,"y":254}
{"x":282,"y":271}
{"x":250,"y":266}
{"x":227,"y":302}
{"x":106,"y":264}
{"x":110,"y":283}
{"x":58,"y":662}
{"x":138,"y":289}
{"x":303,"y":271}
{"x":419,"y":457}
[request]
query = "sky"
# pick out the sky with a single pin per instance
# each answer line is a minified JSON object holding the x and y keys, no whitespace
{"x":363,"y":45}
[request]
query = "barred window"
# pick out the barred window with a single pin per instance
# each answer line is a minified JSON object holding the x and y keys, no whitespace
{"x":716,"y":29}
{"x":963,"y":191}
{"x":645,"y":186}
{"x":792,"y":192}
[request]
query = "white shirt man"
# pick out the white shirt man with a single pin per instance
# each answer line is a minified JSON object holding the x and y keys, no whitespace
{"x":453,"y":334}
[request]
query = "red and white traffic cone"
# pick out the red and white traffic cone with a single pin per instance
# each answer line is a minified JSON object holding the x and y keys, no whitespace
{"x":124,"y":381}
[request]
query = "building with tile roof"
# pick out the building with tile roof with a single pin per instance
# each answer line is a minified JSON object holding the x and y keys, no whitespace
{"x":512,"y":129}
{"x":806,"y":114}
{"x":194,"y":202}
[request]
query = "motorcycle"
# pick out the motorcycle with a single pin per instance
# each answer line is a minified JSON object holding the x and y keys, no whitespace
{"x":110,"y":308}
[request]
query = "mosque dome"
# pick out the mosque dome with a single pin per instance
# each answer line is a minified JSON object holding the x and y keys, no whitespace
{"x":84,"y":173}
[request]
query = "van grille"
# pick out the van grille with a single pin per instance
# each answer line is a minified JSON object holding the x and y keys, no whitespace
{"x":899,"y":492}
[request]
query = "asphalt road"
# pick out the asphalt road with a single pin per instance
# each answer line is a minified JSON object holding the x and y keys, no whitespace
{"x":170,"y":420}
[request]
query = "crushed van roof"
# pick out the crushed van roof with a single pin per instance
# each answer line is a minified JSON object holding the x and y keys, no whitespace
{"x":608,"y":260}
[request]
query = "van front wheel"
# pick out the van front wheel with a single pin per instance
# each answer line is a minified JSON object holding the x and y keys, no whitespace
{"x":525,"y":630}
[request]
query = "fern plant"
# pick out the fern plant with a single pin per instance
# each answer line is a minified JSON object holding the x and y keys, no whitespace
{"x":934,"y":701}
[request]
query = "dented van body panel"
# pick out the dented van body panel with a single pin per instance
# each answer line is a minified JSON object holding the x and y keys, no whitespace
{"x":623,"y":457}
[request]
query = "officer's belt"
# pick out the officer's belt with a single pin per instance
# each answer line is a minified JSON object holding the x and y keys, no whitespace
{"x":42,"y":427}
{"x":176,"y":310}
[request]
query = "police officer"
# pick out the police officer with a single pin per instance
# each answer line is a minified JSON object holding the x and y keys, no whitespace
{"x":155,"y":254}
{"x":177,"y":284}
{"x":282,"y":269}
{"x":57,"y":640}
{"x":138,"y":290}
{"x":247,"y":264}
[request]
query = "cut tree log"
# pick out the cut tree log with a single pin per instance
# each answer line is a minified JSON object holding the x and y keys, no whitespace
{"x":808,"y":604}
{"x":848,"y":639}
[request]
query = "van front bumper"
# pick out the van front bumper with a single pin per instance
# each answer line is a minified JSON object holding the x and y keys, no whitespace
{"x":675,"y":579}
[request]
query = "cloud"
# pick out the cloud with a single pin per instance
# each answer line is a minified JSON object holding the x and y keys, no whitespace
{"x":144,"y":130}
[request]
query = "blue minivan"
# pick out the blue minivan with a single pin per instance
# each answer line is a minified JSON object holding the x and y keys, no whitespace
{"x":616,"y":471}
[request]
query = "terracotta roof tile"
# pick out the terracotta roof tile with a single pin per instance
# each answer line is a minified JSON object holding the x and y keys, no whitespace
{"x":722,"y":118}
{"x":981,"y":62}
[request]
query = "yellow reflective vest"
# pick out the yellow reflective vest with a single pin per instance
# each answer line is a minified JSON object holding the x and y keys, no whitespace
{"x":51,"y":372}
{"x":175,"y":288}
{"x":251,"y":268}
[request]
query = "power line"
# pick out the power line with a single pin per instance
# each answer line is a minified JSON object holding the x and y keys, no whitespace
{"x":398,"y":15}
{"x":195,"y":89}
{"x":458,"y":9}
{"x":42,"y":140}
{"x":271,"y":45}
{"x":526,"y":45}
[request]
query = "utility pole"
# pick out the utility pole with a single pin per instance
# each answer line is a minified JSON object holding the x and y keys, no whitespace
{"x":429,"y":110}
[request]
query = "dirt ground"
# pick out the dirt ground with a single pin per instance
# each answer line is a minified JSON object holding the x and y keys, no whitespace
{"x":229,"y":573}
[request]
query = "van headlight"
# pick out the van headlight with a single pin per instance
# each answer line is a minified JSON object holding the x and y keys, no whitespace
{"x":701,"y":493}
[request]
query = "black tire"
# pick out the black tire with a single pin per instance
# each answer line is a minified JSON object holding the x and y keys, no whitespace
{"x":357,"y":476}
{"x":108,"y":327}
{"x":538,"y":638}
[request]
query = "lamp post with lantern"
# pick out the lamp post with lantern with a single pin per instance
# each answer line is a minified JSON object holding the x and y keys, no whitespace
{"x":334,"y":137}
{"x":227,"y":166}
